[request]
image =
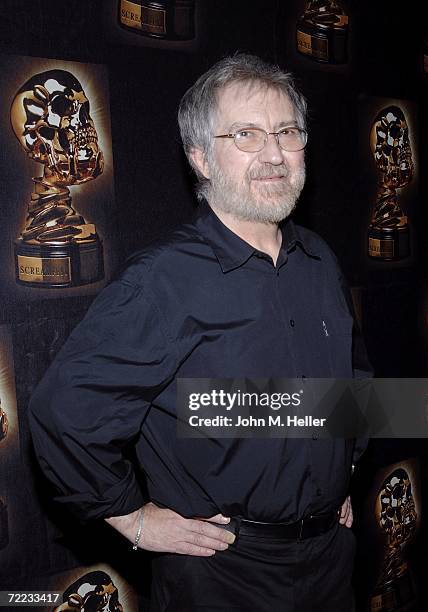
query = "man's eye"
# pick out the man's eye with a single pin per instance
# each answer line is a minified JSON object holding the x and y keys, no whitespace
{"x":290,"y":131}
{"x":246,"y":134}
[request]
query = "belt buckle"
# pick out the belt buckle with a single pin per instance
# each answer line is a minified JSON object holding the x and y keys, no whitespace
{"x":234,"y":527}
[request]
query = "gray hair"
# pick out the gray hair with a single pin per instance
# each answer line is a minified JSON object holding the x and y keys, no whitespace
{"x":198,"y":106}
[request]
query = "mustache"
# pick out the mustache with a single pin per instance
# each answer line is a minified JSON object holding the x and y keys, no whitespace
{"x":269,"y":171}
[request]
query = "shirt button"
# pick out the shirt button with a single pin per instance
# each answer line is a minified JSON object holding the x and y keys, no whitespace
{"x":292,"y":322}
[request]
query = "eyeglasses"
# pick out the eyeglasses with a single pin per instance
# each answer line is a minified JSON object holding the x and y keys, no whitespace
{"x":251,"y":140}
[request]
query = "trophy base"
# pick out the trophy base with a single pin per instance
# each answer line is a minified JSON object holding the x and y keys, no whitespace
{"x":161,"y":19}
{"x":52,"y":266}
{"x":397,"y":595}
{"x":389,"y":244}
{"x":327,"y":45}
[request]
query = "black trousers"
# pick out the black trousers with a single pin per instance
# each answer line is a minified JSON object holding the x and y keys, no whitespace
{"x":260,"y":575}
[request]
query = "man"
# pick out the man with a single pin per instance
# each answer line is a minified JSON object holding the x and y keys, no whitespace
{"x":244,"y":524}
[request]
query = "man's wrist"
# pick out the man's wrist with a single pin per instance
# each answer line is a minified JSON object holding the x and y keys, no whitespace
{"x":127,"y":525}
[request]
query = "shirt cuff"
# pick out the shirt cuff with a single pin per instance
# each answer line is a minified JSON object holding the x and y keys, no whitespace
{"x":121,"y":499}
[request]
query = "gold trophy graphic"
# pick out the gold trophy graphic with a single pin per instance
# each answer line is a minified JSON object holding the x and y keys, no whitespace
{"x":92,"y":592}
{"x":388,"y":234}
{"x":322,"y":32}
{"x":397,"y":519}
{"x":51,"y":119}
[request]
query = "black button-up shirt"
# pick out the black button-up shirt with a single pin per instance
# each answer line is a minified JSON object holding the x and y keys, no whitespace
{"x":200,"y":303}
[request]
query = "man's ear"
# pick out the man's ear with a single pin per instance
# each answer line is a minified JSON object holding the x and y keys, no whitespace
{"x":199,"y":159}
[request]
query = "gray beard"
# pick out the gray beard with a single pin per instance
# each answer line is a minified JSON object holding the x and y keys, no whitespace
{"x":273,"y":202}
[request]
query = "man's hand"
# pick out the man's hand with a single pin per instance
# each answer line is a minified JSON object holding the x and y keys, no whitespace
{"x":346,"y":515}
{"x":166,"y":531}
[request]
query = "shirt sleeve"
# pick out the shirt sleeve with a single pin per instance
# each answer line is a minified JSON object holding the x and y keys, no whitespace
{"x":93,"y":400}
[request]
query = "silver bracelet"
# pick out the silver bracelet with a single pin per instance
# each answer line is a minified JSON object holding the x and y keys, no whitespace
{"x":138,"y":534}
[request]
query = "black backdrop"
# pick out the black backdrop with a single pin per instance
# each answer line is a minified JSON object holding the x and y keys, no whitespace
{"x":153,"y":191}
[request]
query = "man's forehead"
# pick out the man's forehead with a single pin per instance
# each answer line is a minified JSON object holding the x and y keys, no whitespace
{"x":247,"y":90}
{"x":240,"y":97}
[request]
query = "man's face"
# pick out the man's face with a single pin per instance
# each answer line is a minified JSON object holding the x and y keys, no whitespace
{"x":262,"y":186}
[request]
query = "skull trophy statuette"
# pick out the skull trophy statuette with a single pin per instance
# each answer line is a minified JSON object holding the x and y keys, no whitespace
{"x":397,"y":519}
{"x":92,"y":592}
{"x":51,"y":119}
{"x":388,"y":235}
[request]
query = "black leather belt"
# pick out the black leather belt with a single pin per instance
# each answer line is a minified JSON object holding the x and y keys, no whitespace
{"x":307,"y":527}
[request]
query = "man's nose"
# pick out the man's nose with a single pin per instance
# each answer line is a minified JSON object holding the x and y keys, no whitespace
{"x":271,"y":152}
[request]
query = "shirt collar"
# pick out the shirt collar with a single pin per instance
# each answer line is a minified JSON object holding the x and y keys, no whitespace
{"x":230,"y":250}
